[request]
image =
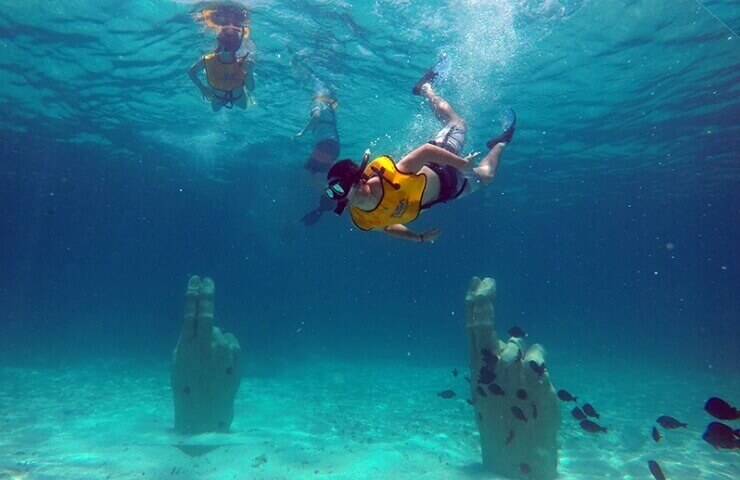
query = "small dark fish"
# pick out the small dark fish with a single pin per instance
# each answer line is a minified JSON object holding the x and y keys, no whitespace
{"x":467,"y":379}
{"x":670,"y":423}
{"x":486,"y":355}
{"x":720,"y":435}
{"x":492,"y":362}
{"x":720,"y":409}
{"x":447,"y":394}
{"x":495,"y":389}
{"x":489,"y":359}
{"x":510,"y":438}
{"x":521,"y":394}
{"x":592,"y":427}
{"x":524,"y":468}
{"x":486,"y":375}
{"x":454,"y":372}
{"x":517,"y":332}
{"x":519,"y":355}
{"x":578,"y":414}
{"x":589,"y":410}
{"x":480,"y":391}
{"x":566,"y":397}
{"x":519,"y":414}
{"x":534,"y":411}
{"x":656,"y":434}
{"x":537,"y":368}
{"x":470,"y":402}
{"x":656,"y":470}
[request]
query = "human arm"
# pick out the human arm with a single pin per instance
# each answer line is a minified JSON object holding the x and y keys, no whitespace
{"x":428,"y":153}
{"x":401,"y":231}
{"x":249,"y":69}
{"x":308,"y":126}
{"x":193,"y":74}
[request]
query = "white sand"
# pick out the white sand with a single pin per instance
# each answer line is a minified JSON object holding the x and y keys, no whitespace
{"x":333,"y":421}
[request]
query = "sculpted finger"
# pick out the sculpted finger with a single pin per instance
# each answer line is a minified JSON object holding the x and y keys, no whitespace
{"x":204,"y":326}
{"x":191,"y":308}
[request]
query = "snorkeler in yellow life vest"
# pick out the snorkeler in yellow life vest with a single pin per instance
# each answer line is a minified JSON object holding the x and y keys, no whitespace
{"x":230,"y":78}
{"x":400,"y":201}
{"x":383,"y":195}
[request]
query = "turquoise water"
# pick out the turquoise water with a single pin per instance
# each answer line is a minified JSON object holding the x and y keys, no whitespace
{"x":611,"y":229}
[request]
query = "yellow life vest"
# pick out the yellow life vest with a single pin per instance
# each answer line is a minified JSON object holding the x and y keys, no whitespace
{"x":224,"y":76}
{"x":397,"y":205}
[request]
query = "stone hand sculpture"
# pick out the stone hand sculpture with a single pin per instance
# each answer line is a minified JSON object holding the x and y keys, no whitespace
{"x":516,"y":407}
{"x":206,"y":368}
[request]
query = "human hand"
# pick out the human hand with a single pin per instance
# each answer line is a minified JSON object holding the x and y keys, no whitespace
{"x":470,"y":157}
{"x":207,"y":93}
{"x":430,"y":235}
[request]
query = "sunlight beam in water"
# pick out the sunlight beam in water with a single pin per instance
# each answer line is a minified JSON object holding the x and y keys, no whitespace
{"x":484,"y":42}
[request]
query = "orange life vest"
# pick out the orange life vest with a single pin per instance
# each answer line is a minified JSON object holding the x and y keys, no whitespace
{"x":224,"y":76}
{"x":397,"y":205}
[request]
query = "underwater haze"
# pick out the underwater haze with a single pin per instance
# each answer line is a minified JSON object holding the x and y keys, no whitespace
{"x":611,"y":229}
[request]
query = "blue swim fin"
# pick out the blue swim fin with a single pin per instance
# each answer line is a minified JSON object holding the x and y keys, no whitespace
{"x":429,"y":75}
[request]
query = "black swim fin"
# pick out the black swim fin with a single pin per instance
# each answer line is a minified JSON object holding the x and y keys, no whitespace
{"x":311,"y":217}
{"x":509,"y":127}
{"x":428,"y":76}
{"x":325,"y":204}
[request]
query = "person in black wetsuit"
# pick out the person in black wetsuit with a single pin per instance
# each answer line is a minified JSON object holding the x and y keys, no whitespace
{"x":323,"y":125}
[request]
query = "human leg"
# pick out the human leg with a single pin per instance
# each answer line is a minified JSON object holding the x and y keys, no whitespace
{"x":442,"y":110}
{"x":216,"y":104}
{"x":324,"y":154}
{"x":219,"y":100}
{"x":487,"y":167}
{"x":452,"y":136}
{"x":241,"y":101}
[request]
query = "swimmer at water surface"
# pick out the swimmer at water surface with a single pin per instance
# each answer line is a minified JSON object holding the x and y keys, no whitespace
{"x":229,"y":76}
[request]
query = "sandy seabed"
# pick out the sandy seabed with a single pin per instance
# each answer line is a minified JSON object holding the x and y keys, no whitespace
{"x":113,"y":420}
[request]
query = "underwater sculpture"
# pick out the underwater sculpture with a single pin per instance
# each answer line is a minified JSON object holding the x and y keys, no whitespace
{"x":516,"y":407}
{"x":206,"y":368}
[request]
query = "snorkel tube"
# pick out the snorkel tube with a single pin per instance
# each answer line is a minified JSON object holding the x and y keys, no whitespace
{"x":363,"y":164}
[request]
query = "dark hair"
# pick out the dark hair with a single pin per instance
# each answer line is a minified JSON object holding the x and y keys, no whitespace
{"x":229,"y":39}
{"x":344,"y":169}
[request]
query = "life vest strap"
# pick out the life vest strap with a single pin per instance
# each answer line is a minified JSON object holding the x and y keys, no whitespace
{"x":381,"y":173}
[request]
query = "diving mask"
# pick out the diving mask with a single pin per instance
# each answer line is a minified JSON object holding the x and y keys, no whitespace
{"x":339,"y":188}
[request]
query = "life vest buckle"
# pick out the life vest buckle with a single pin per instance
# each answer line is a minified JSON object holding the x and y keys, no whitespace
{"x":380,"y":172}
